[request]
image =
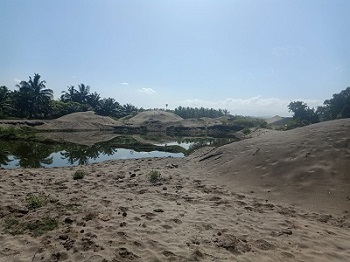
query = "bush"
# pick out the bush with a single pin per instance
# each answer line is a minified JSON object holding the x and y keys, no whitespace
{"x":35,"y":202}
{"x":246,"y":131}
{"x":79,"y":174}
{"x":154,"y":176}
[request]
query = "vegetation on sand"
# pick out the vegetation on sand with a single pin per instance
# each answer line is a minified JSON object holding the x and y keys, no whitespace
{"x":15,"y":226}
{"x":34,"y":201}
{"x":154,"y":176}
{"x":79,"y":174}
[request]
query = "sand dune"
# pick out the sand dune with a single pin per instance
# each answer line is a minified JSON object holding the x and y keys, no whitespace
{"x":208,"y":207}
{"x":153,"y":116}
{"x":81,"y":121}
{"x":307,"y":166}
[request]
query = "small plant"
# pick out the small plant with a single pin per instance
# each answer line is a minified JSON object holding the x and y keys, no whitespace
{"x":38,"y":227}
{"x":13,"y":227}
{"x":34,"y":202}
{"x":79,"y":174}
{"x":246,"y":130}
{"x":154,"y":176}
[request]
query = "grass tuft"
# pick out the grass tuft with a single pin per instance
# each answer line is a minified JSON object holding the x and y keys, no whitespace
{"x":79,"y":174}
{"x":34,"y":202}
{"x":154,"y":176}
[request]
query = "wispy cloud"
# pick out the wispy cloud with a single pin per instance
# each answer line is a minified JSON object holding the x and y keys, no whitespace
{"x":255,"y":106}
{"x":17,"y":80}
{"x":288,"y":51}
{"x":124,"y":84}
{"x":147,"y":90}
{"x":339,"y":70}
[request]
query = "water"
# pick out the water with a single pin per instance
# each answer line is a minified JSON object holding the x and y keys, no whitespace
{"x":26,"y":154}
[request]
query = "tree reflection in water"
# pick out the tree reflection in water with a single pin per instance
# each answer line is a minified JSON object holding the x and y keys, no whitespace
{"x":4,"y":155}
{"x":35,"y":155}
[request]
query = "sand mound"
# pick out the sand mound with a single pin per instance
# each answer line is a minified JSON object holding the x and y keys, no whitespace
{"x":81,"y":121}
{"x":307,"y":166}
{"x":273,"y":119}
{"x":154,"y":116}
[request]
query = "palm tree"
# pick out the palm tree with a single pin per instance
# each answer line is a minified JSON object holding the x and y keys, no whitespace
{"x":83,"y":93}
{"x":5,"y":104}
{"x":70,"y":95}
{"x":34,"y":96}
{"x":107,"y":107}
{"x":94,"y":100}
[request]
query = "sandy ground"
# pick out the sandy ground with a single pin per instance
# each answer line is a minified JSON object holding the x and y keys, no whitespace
{"x":213,"y":206}
{"x":81,"y":121}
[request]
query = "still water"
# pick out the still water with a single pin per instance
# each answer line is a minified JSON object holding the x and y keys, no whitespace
{"x":16,"y":154}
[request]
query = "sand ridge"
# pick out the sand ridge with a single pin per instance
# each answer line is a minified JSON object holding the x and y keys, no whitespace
{"x":81,"y":121}
{"x":307,"y":166}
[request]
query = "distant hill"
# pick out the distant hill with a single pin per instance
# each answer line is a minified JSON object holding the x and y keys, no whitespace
{"x":278,"y":120}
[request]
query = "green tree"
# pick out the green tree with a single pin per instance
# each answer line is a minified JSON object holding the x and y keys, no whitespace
{"x":70,"y":95}
{"x":107,"y":107}
{"x":94,"y":100}
{"x":5,"y":101}
{"x":303,"y":113}
{"x":83,"y":94}
{"x":339,"y":105}
{"x":33,"y":97}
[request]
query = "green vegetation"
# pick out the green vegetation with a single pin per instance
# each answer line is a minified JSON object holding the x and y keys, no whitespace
{"x":154,"y":176}
{"x":190,"y":112}
{"x":246,"y":131}
{"x":12,"y":133}
{"x":242,"y":122}
{"x":40,"y":227}
{"x":13,"y":226}
{"x":16,"y":226}
{"x":335,"y":108}
{"x":79,"y":174}
{"x":32,"y":100}
{"x":34,"y":202}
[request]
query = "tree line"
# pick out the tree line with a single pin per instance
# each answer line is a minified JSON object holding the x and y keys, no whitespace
{"x":190,"y":112}
{"x":335,"y":108}
{"x":32,"y":100}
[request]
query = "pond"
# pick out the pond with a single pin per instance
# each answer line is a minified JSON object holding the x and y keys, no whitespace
{"x":27,"y":154}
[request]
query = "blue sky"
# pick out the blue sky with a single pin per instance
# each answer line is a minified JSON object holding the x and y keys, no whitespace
{"x":251,"y":57}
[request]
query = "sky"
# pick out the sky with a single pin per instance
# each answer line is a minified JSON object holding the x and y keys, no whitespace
{"x":252,"y":57}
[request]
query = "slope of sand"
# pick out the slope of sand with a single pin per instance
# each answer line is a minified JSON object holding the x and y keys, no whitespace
{"x":202,"y":209}
{"x":306,"y":166}
{"x":81,"y":121}
{"x":153,"y":116}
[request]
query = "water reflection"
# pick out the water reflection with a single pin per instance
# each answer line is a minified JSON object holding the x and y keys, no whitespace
{"x":33,"y":154}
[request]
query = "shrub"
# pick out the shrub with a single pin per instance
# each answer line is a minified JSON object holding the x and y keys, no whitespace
{"x":35,"y":202}
{"x":246,"y":130}
{"x":12,"y":226}
{"x":15,"y":226}
{"x":79,"y":174}
{"x":40,"y":227}
{"x":154,"y":176}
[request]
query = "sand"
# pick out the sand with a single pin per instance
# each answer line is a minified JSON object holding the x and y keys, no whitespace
{"x":153,"y":116}
{"x":211,"y":206}
{"x":81,"y":121}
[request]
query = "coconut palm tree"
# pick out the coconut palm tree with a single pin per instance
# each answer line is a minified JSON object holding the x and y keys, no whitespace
{"x":70,"y":95}
{"x":94,"y":100}
{"x":5,"y":103}
{"x":34,"y":97}
{"x":83,"y":94}
{"x":107,"y":107}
